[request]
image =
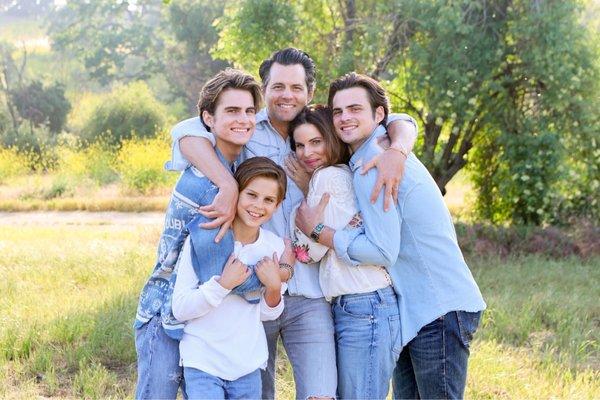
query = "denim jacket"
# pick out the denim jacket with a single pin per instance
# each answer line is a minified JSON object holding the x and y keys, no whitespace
{"x":415,"y":241}
{"x":191,"y":191}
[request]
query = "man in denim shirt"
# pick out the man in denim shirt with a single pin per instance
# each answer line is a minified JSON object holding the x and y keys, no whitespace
{"x":306,"y":325}
{"x":227,"y":105}
{"x":438,"y":299}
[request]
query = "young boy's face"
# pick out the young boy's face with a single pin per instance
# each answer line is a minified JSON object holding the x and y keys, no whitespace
{"x":257,"y":201}
{"x":234,"y":119}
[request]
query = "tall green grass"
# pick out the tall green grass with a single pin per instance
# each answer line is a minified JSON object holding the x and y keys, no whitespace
{"x":69,"y":294}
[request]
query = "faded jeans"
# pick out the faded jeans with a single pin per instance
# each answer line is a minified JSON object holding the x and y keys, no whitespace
{"x":366,"y":328}
{"x":159,"y":373}
{"x":202,"y":385}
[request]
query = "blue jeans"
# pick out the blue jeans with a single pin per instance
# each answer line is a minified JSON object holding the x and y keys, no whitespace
{"x":200,"y":385}
{"x":306,"y":329}
{"x":434,"y":364}
{"x":366,"y":327}
{"x":159,"y":373}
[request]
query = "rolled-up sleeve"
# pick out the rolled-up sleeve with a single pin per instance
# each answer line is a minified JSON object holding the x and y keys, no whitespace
{"x":402,"y":117}
{"x":188,"y":127}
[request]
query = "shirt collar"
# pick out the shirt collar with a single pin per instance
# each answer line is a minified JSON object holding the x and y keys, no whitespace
{"x":356,"y":161}
{"x":262,"y":116}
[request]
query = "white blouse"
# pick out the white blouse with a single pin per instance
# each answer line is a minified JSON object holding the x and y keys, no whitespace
{"x":336,"y":277}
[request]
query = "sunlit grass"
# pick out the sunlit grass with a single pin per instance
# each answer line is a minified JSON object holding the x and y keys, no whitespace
{"x":70,"y":291}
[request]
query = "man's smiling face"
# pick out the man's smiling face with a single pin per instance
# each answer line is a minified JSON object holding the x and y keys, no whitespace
{"x":286,"y":92}
{"x":353,"y":117}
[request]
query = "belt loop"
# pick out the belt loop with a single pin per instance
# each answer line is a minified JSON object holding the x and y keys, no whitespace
{"x":381,"y":296}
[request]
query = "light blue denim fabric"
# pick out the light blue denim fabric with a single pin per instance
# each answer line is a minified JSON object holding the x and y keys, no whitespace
{"x":366,"y":327}
{"x":415,"y":241}
{"x":159,"y":373}
{"x":306,"y":329}
{"x":201,"y":385}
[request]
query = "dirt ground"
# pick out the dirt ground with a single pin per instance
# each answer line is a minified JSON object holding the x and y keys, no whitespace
{"x":80,"y":218}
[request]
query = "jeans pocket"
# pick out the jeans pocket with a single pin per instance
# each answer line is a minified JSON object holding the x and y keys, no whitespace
{"x":358,"y":308}
{"x":394,"y":323}
{"x":467,"y":325}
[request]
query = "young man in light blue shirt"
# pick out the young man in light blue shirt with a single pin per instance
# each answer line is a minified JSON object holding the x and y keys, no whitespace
{"x":438,"y":299}
{"x":306,"y":325}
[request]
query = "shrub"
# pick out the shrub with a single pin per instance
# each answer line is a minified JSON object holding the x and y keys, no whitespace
{"x":12,"y":163}
{"x":140,"y":163}
{"x":95,"y":162}
{"x":128,"y":111}
{"x":36,"y":143}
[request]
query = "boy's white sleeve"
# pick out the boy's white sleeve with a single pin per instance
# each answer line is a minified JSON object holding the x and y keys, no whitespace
{"x":190,"y":300}
{"x":270,"y":313}
{"x":188,"y":127}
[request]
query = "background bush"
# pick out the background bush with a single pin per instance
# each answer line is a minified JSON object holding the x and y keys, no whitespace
{"x":12,"y":163}
{"x":140,"y":163}
{"x":125,"y":112}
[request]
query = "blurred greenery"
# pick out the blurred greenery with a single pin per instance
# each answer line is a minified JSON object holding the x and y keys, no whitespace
{"x":507,"y":88}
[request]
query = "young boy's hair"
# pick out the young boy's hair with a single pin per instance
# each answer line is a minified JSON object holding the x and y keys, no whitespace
{"x":227,"y":79}
{"x":321,"y":118}
{"x":261,"y":167}
{"x":376,"y":93}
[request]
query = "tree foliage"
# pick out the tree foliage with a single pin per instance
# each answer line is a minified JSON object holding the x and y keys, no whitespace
{"x":508,"y":77}
{"x":128,"y":111}
{"x":114,"y":39}
{"x":42,"y":105}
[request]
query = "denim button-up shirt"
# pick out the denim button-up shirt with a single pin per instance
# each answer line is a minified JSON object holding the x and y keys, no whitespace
{"x":416,"y":241}
{"x":266,"y":142}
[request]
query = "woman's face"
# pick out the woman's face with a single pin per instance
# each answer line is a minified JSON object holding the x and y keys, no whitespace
{"x":310,"y":146}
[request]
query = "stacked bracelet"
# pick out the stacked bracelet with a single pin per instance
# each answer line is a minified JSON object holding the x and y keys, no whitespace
{"x":289,"y":268}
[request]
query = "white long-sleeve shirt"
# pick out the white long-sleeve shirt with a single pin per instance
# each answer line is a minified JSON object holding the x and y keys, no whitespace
{"x":223,"y":333}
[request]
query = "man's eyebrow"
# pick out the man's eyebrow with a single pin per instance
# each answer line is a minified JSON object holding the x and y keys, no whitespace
{"x":233,"y":108}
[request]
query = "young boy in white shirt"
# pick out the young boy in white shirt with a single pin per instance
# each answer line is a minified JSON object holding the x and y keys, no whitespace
{"x":224,"y":344}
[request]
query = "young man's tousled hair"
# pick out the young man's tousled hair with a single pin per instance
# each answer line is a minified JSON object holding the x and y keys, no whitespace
{"x":376,"y":93}
{"x":261,"y":167}
{"x":227,"y":79}
{"x":289,"y":56}
{"x":321,"y":117}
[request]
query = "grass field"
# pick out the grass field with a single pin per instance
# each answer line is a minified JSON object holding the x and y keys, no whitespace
{"x":69,"y":292}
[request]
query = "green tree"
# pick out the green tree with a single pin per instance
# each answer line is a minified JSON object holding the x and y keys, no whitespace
{"x":42,"y":105}
{"x":115,"y":40}
{"x":509,"y":76}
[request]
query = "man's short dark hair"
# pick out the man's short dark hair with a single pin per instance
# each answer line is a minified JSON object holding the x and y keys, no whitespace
{"x":290,"y":56}
{"x":376,"y":93}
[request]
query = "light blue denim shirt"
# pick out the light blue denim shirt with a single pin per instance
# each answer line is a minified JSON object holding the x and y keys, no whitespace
{"x":416,"y":241}
{"x":265,"y":142}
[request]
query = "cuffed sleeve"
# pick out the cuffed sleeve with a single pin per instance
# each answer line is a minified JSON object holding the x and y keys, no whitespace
{"x":379,"y":242}
{"x":190,"y":300}
{"x":188,"y":127}
{"x":270,"y":313}
{"x":402,"y":117}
